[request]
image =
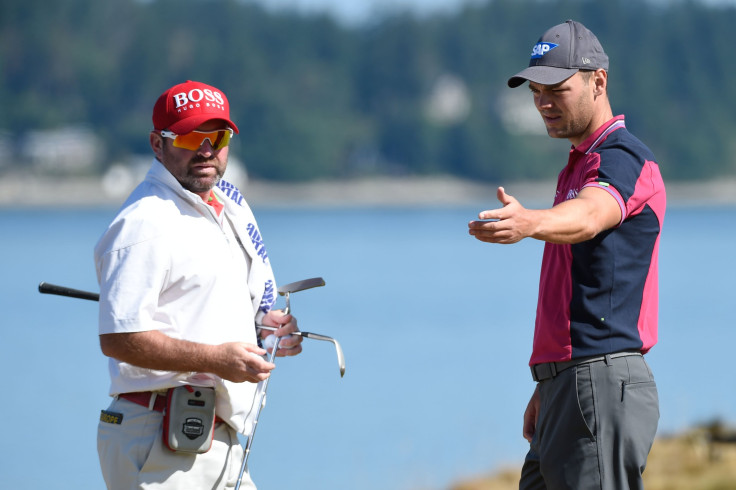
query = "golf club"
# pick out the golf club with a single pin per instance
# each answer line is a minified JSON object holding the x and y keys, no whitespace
{"x":47,"y":288}
{"x":285,"y":291}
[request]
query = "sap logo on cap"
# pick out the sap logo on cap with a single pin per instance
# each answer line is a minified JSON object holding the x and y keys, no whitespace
{"x":196,"y":95}
{"x":540,"y":49}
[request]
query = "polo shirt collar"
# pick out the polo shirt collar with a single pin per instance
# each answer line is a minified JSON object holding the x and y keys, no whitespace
{"x":161,"y":174}
{"x":594,"y":140}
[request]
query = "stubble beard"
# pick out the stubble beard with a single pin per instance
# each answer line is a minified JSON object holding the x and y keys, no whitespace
{"x":576,"y":122}
{"x":191,"y":178}
{"x":202,"y":183}
{"x":573,"y":128}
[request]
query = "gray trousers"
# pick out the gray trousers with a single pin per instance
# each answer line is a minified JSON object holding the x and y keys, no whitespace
{"x":596,"y":425}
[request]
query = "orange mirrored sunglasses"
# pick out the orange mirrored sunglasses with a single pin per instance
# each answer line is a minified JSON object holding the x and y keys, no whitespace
{"x":194,"y":140}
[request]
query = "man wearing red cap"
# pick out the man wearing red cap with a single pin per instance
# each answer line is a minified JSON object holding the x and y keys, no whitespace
{"x":184,"y":280}
{"x":593,"y":415}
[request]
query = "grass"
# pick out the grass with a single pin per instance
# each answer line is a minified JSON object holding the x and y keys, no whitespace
{"x":701,"y":459}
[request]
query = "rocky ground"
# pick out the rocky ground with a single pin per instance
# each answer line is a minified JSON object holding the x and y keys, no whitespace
{"x":701,"y":459}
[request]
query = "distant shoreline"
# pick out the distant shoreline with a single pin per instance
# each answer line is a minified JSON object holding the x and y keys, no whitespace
{"x":375,"y":191}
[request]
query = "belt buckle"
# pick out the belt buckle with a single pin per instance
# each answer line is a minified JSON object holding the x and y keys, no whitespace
{"x":553,"y":369}
{"x":550,"y":369}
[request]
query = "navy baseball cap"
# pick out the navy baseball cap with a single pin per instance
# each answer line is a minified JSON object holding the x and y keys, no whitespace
{"x":560,"y":53}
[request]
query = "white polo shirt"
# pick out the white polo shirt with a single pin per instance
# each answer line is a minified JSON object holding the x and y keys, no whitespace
{"x":167,"y":262}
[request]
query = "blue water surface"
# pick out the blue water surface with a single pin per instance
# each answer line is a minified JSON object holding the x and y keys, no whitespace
{"x":436,"y":329}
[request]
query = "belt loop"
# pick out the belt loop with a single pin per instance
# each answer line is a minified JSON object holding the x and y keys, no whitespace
{"x":607,"y":359}
{"x":152,"y":401}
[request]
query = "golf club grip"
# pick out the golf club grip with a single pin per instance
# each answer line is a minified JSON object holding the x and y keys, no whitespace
{"x":46,"y":288}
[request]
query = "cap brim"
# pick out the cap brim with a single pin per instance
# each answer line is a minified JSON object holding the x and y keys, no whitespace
{"x":544,"y":75}
{"x":189,"y":124}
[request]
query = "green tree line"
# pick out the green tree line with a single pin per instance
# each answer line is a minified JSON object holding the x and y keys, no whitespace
{"x":314,"y":98}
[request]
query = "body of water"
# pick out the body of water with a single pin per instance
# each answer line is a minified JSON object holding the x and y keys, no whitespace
{"x":436,"y":329}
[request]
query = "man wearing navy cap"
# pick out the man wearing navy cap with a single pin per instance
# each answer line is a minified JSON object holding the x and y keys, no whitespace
{"x":184,"y":281}
{"x":593,"y":415}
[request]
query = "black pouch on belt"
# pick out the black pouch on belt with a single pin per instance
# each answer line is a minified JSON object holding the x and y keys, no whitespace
{"x":189,"y":419}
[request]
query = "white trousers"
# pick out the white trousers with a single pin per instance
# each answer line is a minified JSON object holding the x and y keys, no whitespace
{"x":134,"y":457}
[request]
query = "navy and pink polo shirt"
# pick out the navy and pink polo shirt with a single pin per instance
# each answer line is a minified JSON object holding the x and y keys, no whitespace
{"x":601,"y":296}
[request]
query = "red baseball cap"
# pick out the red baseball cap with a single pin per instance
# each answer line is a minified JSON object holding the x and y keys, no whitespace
{"x":184,"y":107}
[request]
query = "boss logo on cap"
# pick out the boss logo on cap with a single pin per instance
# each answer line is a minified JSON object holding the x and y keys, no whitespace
{"x":540,"y":49}
{"x":197,"y":95}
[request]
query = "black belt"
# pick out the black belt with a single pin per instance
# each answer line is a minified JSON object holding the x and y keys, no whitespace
{"x":548,"y":370}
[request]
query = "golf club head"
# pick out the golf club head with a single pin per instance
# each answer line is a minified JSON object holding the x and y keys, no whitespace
{"x":317,"y":336}
{"x":293,"y":287}
{"x":340,"y":357}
